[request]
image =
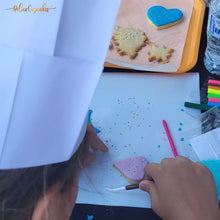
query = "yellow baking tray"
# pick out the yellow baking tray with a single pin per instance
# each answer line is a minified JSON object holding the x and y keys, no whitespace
{"x":191,"y":48}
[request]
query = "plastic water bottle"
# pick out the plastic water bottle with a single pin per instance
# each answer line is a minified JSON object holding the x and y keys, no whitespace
{"x":207,"y":2}
{"x":212,"y":53}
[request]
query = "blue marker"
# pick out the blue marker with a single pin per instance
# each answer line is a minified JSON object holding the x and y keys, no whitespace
{"x":90,"y":122}
{"x":213,"y":104}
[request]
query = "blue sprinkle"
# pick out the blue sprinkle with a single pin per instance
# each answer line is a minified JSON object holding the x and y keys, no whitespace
{"x":181,"y":123}
{"x":182,"y":139}
{"x":179,"y":129}
{"x":158,"y":146}
{"x":89,"y":217}
{"x":182,"y":110}
{"x":190,"y":145}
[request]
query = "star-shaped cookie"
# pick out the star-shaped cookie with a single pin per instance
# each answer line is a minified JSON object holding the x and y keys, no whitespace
{"x":160,"y":54}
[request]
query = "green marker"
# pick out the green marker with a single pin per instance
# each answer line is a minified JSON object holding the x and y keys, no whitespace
{"x":213,"y":96}
{"x":197,"y":106}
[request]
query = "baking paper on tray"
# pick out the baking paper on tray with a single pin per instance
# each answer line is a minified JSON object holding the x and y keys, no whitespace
{"x":132,"y":14}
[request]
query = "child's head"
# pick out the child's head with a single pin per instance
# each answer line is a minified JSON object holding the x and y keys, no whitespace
{"x":46,"y":192}
{"x":21,"y":189}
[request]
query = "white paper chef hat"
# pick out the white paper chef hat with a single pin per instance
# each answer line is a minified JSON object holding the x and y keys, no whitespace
{"x":51,"y":57}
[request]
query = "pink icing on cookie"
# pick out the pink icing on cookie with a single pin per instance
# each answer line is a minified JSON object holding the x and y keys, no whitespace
{"x":132,"y":168}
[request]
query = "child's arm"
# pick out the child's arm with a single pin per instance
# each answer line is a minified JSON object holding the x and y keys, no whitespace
{"x":180,"y":189}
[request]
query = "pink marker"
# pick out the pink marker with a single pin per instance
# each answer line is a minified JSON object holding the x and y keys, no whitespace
{"x":212,"y":81}
{"x":170,"y":139}
{"x":214,"y":100}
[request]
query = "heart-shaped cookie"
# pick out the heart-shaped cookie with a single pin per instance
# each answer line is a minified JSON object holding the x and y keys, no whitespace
{"x":132,"y":168}
{"x":160,"y":17}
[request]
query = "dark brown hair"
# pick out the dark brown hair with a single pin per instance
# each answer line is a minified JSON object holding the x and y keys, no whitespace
{"x":20,"y":189}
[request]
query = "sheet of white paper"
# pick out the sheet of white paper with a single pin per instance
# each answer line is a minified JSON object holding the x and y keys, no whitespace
{"x":129,"y":109}
{"x":206,"y":145}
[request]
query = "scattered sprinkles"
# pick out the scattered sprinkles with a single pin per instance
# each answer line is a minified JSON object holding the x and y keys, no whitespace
{"x":135,"y":122}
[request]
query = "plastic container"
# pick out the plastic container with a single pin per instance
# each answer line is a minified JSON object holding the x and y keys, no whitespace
{"x":212,"y":53}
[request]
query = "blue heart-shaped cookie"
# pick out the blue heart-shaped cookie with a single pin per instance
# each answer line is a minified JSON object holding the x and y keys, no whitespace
{"x":161,"y":17}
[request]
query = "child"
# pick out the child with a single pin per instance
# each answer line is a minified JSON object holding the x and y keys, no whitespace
{"x":49,"y":69}
{"x":46,"y":192}
{"x":179,"y":188}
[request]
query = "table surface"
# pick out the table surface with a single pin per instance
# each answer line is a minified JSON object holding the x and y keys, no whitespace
{"x":97,"y":212}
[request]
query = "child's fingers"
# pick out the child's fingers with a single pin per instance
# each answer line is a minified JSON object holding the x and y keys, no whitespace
{"x":90,"y":129}
{"x":150,"y":187}
{"x":97,"y":144}
{"x":148,"y":177}
{"x":146,"y":185}
{"x":152,"y":171}
{"x":89,"y":158}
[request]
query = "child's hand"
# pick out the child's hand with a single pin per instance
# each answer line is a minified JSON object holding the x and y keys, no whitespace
{"x":94,"y":143}
{"x":180,"y":189}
